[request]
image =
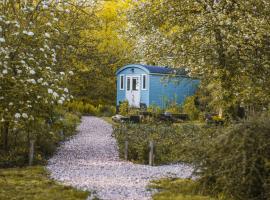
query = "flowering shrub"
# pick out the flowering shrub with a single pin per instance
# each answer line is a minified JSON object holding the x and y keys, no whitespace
{"x":33,"y":82}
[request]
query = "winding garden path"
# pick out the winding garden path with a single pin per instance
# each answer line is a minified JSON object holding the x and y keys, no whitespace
{"x":90,"y":161}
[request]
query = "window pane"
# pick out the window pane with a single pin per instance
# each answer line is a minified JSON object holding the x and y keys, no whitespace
{"x":144,"y":81}
{"x":121,"y":82}
{"x":128,"y":83}
{"x":134,"y":84}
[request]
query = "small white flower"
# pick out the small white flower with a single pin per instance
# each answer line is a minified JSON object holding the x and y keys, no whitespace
{"x":17,"y":115}
{"x":62,"y":73}
{"x":50,"y":91}
{"x":5,"y":71}
{"x":19,"y":71}
{"x":60,"y":101}
{"x":30,"y":33}
{"x":40,"y":80}
{"x":24,"y":115}
{"x":55,"y":95}
{"x":1,"y":97}
{"x":32,"y":72}
{"x":32,"y":81}
{"x":66,"y":90}
{"x":71,"y":72}
{"x":2,"y":40}
{"x":49,"y":24}
{"x":47,"y":35}
{"x":41,"y":49}
{"x":10,"y":104}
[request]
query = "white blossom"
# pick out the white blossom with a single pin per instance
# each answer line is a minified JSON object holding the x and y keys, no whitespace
{"x":24,"y":115}
{"x":60,"y":101}
{"x":2,"y":40}
{"x":66,"y":90}
{"x":5,"y":71}
{"x":47,"y":35}
{"x":62,"y":73}
{"x":17,"y":115}
{"x":55,"y":95}
{"x":50,"y":91}
{"x":40,"y":80}
{"x":32,"y":72}
{"x":71,"y":72}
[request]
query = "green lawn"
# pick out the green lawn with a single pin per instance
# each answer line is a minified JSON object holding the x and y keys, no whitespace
{"x":177,"y":189}
{"x":32,"y":183}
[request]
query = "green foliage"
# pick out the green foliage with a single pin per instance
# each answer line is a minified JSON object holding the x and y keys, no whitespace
{"x":34,"y":183}
{"x":190,"y":108}
{"x":237,"y":161}
{"x":221,"y":42}
{"x":174,"y":108}
{"x":172,"y":142}
{"x":230,"y":161}
{"x":89,"y":109}
{"x":154,"y":109}
{"x":178,"y":189}
{"x":124,"y":108}
{"x":46,"y":134}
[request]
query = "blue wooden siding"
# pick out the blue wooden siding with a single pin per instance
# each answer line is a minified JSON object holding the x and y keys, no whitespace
{"x":164,"y":90}
{"x":144,"y":94}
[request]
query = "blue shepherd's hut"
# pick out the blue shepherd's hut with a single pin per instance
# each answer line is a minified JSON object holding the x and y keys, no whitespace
{"x":143,"y":85}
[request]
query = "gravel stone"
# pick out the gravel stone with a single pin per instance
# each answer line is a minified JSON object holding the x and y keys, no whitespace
{"x":90,"y":161}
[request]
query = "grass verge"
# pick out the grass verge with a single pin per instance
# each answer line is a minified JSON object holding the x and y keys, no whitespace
{"x":33,"y":183}
{"x":178,"y":189}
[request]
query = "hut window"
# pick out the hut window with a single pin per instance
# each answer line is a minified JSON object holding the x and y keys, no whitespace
{"x":144,"y":81}
{"x":128,"y":83}
{"x":122,"y":82}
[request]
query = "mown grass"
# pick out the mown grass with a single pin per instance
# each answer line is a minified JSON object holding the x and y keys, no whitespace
{"x":32,"y":183}
{"x":178,"y":189}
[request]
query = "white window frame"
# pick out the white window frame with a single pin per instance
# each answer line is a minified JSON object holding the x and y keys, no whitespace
{"x":146,"y":82}
{"x":122,"y":78}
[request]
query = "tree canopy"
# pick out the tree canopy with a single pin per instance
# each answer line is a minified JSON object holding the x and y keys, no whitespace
{"x":224,"y":42}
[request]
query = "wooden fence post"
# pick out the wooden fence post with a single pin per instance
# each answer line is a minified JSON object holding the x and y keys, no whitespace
{"x":31,"y":152}
{"x":151,"y":153}
{"x":126,"y":150}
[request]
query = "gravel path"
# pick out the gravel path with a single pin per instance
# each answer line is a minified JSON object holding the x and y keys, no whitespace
{"x":90,"y":161}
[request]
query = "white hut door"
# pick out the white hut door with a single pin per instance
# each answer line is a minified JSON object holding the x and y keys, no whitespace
{"x":133,"y":91}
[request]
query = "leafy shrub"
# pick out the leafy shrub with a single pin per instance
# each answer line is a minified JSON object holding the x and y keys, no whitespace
{"x":237,"y":162}
{"x":174,"y":108}
{"x":106,"y":110}
{"x":123,"y":108}
{"x":190,"y":108}
{"x":172,"y":142}
{"x":46,"y":134}
{"x":89,"y":109}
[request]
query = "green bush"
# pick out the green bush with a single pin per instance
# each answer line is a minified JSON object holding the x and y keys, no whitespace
{"x":106,"y":110}
{"x":190,"y":108}
{"x":90,"y":109}
{"x":46,"y":134}
{"x":172,"y":142}
{"x":237,"y":162}
{"x":123,"y":108}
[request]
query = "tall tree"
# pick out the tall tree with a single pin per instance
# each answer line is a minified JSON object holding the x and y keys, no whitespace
{"x":224,"y":42}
